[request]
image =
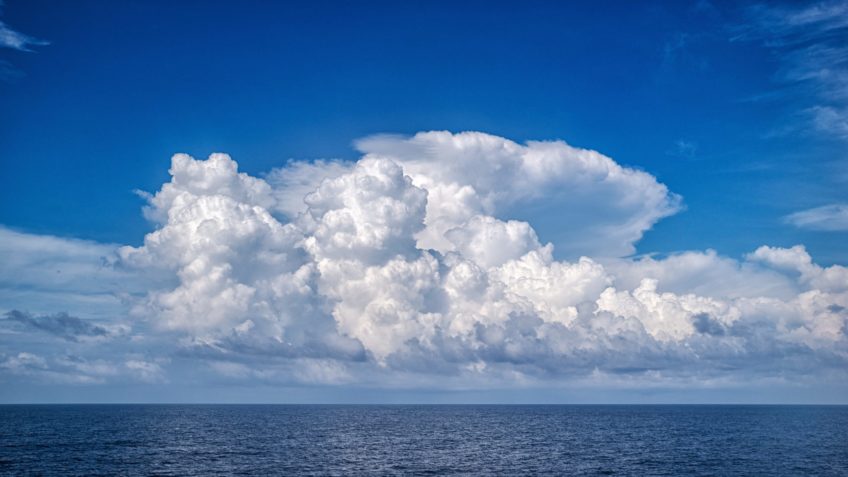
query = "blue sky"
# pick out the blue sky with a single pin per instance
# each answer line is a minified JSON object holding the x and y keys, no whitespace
{"x":673,"y":88}
{"x":739,"y":109}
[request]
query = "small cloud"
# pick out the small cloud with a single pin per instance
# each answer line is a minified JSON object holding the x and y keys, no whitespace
{"x":23,"y":361}
{"x":833,"y":217}
{"x":683,"y":148}
{"x":61,"y":324}
{"x":17,"y":41}
{"x":146,"y":371}
{"x":831,"y":120}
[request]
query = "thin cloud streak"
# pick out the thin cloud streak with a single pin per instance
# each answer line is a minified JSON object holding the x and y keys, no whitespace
{"x":832,"y":217}
{"x":16,"y":40}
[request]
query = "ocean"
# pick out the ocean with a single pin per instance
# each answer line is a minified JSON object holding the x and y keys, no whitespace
{"x":203,"y":440}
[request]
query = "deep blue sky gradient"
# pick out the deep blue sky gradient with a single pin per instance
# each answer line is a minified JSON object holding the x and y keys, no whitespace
{"x":124,"y":85}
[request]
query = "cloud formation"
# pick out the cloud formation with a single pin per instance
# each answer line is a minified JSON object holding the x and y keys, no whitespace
{"x":409,"y":266}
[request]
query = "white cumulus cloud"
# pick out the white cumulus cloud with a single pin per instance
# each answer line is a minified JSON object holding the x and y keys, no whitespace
{"x":408,"y":264}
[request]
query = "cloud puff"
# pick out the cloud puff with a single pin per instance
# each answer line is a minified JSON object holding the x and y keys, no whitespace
{"x":810,"y":275}
{"x":216,"y":176}
{"x":233,"y":260}
{"x":667,"y":316}
{"x":371,"y":213}
{"x":147,"y":371}
{"x":406,"y":266}
{"x":833,"y":217}
{"x":490,"y":242}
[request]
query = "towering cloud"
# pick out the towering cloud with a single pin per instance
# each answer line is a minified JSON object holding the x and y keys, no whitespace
{"x":411,"y":261}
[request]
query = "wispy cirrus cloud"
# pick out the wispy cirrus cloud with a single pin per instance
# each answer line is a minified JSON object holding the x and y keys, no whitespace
{"x":810,"y":45}
{"x":832,"y":217}
{"x":16,"y":40}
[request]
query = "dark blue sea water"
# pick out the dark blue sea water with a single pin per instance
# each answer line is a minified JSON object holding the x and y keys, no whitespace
{"x":423,"y":440}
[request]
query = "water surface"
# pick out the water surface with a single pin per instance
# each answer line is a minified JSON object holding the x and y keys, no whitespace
{"x":422,"y":440}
